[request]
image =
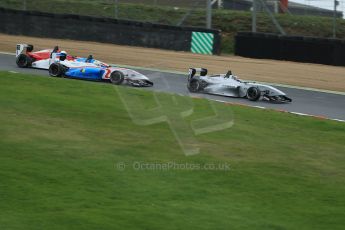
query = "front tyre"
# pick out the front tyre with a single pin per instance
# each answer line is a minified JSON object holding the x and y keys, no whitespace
{"x":117,"y":77}
{"x":253,"y":93}
{"x":56,"y":70}
{"x":194,"y":86}
{"x":22,"y":61}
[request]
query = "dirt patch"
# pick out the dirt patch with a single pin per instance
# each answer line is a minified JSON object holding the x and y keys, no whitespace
{"x":299,"y":74}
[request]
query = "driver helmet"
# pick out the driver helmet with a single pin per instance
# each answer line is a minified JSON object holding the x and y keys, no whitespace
{"x":89,"y":58}
{"x":63,"y":55}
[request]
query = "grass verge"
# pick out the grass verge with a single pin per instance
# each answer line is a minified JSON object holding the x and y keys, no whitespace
{"x":62,"y":140}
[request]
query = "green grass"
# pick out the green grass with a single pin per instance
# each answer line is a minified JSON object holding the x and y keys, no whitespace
{"x":230,"y":22}
{"x":61,"y":139}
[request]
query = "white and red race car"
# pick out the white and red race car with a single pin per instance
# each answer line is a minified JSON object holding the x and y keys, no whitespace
{"x":25,"y":57}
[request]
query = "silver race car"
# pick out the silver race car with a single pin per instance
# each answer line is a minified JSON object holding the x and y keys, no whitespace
{"x":231,"y":86}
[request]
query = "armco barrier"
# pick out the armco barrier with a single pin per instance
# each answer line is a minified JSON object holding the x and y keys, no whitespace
{"x":292,"y":48}
{"x":122,"y":32}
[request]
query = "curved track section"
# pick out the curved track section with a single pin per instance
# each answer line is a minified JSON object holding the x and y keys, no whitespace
{"x":304,"y":101}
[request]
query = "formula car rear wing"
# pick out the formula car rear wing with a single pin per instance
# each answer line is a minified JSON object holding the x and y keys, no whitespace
{"x":23,"y":48}
{"x":194,"y":71}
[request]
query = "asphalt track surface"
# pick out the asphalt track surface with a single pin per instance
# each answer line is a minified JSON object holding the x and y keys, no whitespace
{"x":314,"y":103}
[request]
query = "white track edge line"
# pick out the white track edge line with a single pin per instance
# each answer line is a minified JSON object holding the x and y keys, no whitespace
{"x":278,"y":110}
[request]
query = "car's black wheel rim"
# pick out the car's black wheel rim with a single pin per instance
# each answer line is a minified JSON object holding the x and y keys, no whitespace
{"x":116,"y":78}
{"x":253,"y":93}
{"x":22,"y":61}
{"x":54,"y":70}
{"x":194,"y":86}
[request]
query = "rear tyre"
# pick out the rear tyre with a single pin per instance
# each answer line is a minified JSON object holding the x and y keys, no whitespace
{"x":194,"y":86}
{"x":22,"y":61}
{"x":56,"y":70}
{"x":253,"y":94}
{"x":117,"y":77}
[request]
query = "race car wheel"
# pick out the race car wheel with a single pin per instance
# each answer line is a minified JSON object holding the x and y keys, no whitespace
{"x":253,"y":94}
{"x":194,"y":86}
{"x":29,"y":48}
{"x":22,"y":61}
{"x":56,"y":70}
{"x":117,"y":77}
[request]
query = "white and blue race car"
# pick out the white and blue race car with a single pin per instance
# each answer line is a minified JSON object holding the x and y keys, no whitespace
{"x":91,"y":69}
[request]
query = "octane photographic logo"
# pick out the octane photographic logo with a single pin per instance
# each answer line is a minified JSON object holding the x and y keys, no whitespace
{"x":169,"y":166}
{"x":175,"y":110}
